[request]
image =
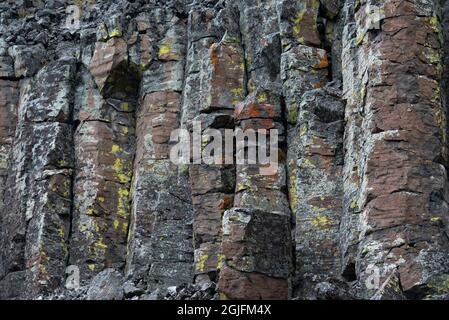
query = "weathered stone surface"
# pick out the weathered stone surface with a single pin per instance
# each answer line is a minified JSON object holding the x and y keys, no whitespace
{"x":316,"y":186}
{"x":107,"y":285}
{"x":358,"y":205}
{"x":160,"y":252}
{"x":9,"y":96}
{"x":37,"y":198}
{"x":403,"y":141}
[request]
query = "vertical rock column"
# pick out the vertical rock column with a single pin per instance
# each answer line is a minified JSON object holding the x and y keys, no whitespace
{"x":160,"y":252}
{"x":215,"y":69}
{"x":104,"y":148}
{"x":256,"y":232}
{"x":9,"y":96}
{"x":315,"y":133}
{"x":403,"y":199}
{"x":36,"y":214}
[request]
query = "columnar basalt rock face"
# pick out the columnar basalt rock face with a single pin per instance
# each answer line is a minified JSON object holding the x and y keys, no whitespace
{"x":357,"y":207}
{"x":402,"y":178}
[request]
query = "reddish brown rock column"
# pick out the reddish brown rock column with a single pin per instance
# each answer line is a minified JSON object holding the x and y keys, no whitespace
{"x":104,"y":150}
{"x":403,"y":179}
{"x":256,"y":232}
{"x":220,"y":62}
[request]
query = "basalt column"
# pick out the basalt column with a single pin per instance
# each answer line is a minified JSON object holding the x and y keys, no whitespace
{"x":9,"y":96}
{"x":397,"y":217}
{"x":256,"y":231}
{"x":106,"y":100}
{"x":35,"y":216}
{"x":214,"y":85}
{"x":160,"y":252}
{"x":315,"y":132}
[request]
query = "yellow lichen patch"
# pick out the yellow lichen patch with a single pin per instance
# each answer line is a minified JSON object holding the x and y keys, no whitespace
{"x":101,"y":199}
{"x":303,"y":131}
{"x":125,"y":228}
{"x":123,"y":198}
{"x":61,"y":232}
{"x":62,"y":163}
{"x":251,"y":85}
{"x":360,"y":38}
{"x":201,"y":264}
{"x":118,"y":166}
{"x":116,"y":149}
{"x":223,"y":296}
{"x":91,"y":266}
{"x":435,"y":219}
{"x":354,"y":204}
{"x":437,"y":95}
{"x":95,"y":225}
{"x":115,"y":33}
{"x":297,"y":22}
{"x":241,"y":186}
{"x":120,"y":173}
{"x":435,"y":58}
{"x":64,"y":247}
{"x":116,"y":224}
{"x":221,"y":260}
{"x":164,"y":49}
{"x":237,"y":94}
{"x":293,"y":190}
{"x":440,"y":119}
{"x":308,"y":163}
{"x":90,"y":212}
{"x":321,"y":222}
{"x":125,"y":130}
{"x":100,"y":245}
{"x":318,"y":209}
{"x":184,"y":168}
{"x":262,"y":97}
{"x":435,"y":24}
{"x":310,"y":6}
{"x":66,"y":188}
{"x":125,"y":106}
{"x":43,"y":274}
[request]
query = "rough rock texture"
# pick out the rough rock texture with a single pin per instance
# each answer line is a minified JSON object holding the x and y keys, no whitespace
{"x":357,"y":90}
